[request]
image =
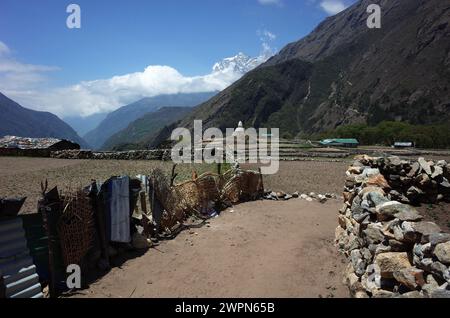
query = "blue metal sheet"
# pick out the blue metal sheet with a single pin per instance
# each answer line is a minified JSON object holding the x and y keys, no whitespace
{"x":16,"y":265}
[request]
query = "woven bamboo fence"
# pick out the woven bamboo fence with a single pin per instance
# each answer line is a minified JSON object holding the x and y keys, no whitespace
{"x":75,"y":227}
{"x":196,"y":196}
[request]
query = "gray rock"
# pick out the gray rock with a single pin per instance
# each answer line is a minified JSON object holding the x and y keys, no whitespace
{"x":370,"y":172}
{"x":425,"y":165}
{"x":397,"y":246}
{"x":407,"y":213}
{"x":423,"y":180}
{"x":397,"y":196}
{"x":417,"y":250}
{"x":430,"y":286}
{"x":409,"y":234}
{"x":394,"y":161}
{"x":437,"y":238}
{"x":394,"y":177}
{"x":381,"y":248}
{"x":426,"y":249}
{"x":442,"y":252}
{"x":410,"y":277}
{"x":445,"y":183}
{"x":412,"y":294}
{"x":441,"y":292}
{"x":381,"y":293}
{"x":321,"y":198}
{"x":359,"y":265}
{"x":414,"y":193}
{"x":415,"y":169}
{"x":376,"y":198}
{"x":426,"y":264}
{"x":441,"y":163}
{"x":353,"y":243}
{"x":366,"y":254}
{"x":438,"y":172}
{"x":441,"y":270}
{"x":373,"y":233}
{"x":394,"y":209}
{"x":398,"y":232}
{"x":425,"y":228}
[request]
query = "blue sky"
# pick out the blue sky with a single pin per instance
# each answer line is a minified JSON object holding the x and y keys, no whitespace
{"x":124,"y":37}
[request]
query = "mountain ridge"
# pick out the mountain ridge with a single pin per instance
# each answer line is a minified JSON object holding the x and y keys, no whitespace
{"x":19,"y":121}
{"x":345,"y":73}
{"x":122,"y":117}
{"x":139,"y":132}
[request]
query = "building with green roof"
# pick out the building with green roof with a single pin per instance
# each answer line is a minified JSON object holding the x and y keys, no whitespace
{"x":347,"y":142}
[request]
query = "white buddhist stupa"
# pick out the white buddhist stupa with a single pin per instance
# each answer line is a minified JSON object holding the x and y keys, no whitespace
{"x":239,"y":130}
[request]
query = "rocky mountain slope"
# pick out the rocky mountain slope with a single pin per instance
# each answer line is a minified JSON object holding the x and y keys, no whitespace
{"x":16,"y":120}
{"x":121,"y":118}
{"x":345,"y":73}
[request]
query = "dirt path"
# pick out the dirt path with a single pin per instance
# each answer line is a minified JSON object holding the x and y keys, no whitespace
{"x":261,"y":249}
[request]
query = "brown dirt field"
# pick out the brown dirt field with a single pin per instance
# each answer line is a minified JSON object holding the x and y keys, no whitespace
{"x":262,"y":249}
{"x":308,"y":176}
{"x":21,"y":177}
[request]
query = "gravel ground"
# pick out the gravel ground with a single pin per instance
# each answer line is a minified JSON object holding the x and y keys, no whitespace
{"x":257,"y":249}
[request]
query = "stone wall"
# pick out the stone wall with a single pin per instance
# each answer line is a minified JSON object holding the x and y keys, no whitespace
{"x":391,"y":250}
{"x":124,"y":155}
{"x":16,"y":152}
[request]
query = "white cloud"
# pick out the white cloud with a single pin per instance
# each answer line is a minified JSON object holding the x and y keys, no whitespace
{"x":270,"y":2}
{"x":26,"y":84}
{"x":15,"y":75}
{"x":333,"y":7}
{"x":4,"y":49}
{"x":266,"y":37}
{"x":269,"y":35}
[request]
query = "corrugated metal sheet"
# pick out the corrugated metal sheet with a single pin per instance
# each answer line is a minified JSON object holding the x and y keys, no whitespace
{"x":16,"y":265}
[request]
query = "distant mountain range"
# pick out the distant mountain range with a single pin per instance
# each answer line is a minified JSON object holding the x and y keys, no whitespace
{"x":141,"y":132}
{"x":83,"y":125}
{"x":122,"y":117}
{"x":19,"y":121}
{"x":345,"y":73}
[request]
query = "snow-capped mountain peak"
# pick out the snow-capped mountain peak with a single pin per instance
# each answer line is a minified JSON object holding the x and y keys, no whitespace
{"x":240,"y":63}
